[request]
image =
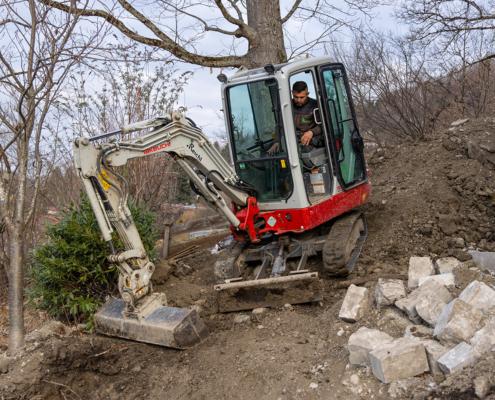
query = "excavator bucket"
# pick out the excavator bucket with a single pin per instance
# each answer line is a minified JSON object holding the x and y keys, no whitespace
{"x":174,"y":327}
{"x":297,"y":288}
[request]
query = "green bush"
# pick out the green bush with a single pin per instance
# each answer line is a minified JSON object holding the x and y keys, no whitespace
{"x":70,"y":274}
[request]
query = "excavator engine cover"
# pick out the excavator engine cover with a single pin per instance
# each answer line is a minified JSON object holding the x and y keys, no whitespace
{"x":174,"y":327}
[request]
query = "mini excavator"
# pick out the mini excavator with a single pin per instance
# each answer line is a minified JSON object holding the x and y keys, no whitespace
{"x":283,"y":206}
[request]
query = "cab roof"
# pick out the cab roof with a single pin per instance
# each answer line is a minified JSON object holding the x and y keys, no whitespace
{"x":245,"y":75}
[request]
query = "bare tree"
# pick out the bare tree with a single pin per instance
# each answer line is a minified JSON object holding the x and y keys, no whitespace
{"x":447,"y":21}
{"x":395,"y":93}
{"x":254,"y":28}
{"x":38,"y":49}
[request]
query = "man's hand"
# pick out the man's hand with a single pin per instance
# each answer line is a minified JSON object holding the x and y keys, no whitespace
{"x":306,"y":138}
{"x":273,"y":149}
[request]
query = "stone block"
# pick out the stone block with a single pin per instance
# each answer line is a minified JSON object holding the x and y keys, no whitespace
{"x":355,"y":304}
{"x":419,"y":267}
{"x":479,"y":295}
{"x":431,"y":289}
{"x":457,"y":322}
{"x":434,"y":351}
{"x":447,"y":279}
{"x":429,"y":308}
{"x":457,"y":358}
{"x":388,"y":291}
{"x":362,"y":342}
{"x":483,"y":340}
{"x":403,"y":358}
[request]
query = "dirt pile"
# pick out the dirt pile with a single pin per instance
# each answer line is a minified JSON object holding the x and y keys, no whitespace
{"x":432,"y":198}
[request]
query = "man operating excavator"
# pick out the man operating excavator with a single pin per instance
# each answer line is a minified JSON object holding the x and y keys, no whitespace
{"x":309,"y":133}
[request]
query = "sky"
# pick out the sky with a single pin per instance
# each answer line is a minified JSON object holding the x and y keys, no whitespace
{"x":202,"y":96}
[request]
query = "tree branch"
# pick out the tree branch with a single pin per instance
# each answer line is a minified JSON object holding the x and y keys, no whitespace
{"x":292,"y":10}
{"x":164,"y":41}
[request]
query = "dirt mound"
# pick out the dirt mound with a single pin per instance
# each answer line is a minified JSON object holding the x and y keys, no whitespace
{"x":431,"y":198}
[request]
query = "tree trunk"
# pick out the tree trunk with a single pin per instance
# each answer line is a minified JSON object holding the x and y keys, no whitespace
{"x":16,"y":293}
{"x":268,"y":46}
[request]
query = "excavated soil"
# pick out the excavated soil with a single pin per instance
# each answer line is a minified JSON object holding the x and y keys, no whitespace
{"x":431,"y":198}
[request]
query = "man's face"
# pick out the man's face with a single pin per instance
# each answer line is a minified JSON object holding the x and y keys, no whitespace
{"x":300,"y":98}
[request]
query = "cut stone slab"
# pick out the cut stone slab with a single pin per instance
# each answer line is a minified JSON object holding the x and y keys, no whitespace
{"x":446,"y":279}
{"x":484,"y":260}
{"x":419,"y":267}
{"x":484,"y":340}
{"x":447,"y":264}
{"x":403,"y":358}
{"x":434,"y":351}
{"x":479,"y":295}
{"x":429,"y":309}
{"x":362,"y":342}
{"x":355,"y":304}
{"x":428,"y":289}
{"x":457,"y":358}
{"x":388,"y":291}
{"x":457,"y":322}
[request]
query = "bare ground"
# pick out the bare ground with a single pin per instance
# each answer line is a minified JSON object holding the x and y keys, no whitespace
{"x":427,"y":199}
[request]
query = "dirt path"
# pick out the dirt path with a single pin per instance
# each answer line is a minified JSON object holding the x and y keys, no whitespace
{"x":427,"y":198}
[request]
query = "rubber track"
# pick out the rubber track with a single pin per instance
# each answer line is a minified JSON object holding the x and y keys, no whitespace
{"x":333,"y":254}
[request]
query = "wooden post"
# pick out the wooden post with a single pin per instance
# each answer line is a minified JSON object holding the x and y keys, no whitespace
{"x":166,"y":241}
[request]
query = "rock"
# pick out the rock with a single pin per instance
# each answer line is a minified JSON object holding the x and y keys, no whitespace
{"x":395,"y":319}
{"x":431,"y":289}
{"x":50,"y":328}
{"x":403,"y":358}
{"x":388,"y":291}
{"x":481,"y":386}
{"x":457,"y":358}
{"x":457,"y":322}
{"x":434,"y":351}
{"x":447,"y":224}
{"x":446,"y":279}
{"x":241,"y":318}
{"x":4,"y":364}
{"x":459,"y":122}
{"x":483,"y":340}
{"x":260,"y":310}
{"x":313,"y":385}
{"x":479,"y":295}
{"x":419,"y":267}
{"x":355,"y":304}
{"x":447,"y":264}
{"x":456,"y":242}
{"x":362,"y":342}
{"x":429,"y":309}
{"x":484,"y":260}
{"x":418,"y":331}
{"x":288,"y":306}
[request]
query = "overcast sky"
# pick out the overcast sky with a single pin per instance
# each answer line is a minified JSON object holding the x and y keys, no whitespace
{"x":202,"y":94}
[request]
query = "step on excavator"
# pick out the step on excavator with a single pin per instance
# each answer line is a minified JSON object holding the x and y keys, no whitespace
{"x":285,"y":203}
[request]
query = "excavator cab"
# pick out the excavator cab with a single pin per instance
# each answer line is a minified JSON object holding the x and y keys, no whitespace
{"x":265,"y":145}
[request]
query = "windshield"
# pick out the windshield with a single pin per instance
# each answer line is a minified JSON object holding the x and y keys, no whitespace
{"x":255,"y":118}
{"x":258,"y":138}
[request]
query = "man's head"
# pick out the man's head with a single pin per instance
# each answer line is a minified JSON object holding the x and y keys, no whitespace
{"x":300,"y":93}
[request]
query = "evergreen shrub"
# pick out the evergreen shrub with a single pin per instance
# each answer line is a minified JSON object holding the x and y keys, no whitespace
{"x":70,"y":273}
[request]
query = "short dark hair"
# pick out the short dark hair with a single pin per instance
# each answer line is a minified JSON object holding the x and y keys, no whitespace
{"x":299,"y":86}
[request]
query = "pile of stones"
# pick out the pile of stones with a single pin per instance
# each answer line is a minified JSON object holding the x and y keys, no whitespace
{"x":458,"y":329}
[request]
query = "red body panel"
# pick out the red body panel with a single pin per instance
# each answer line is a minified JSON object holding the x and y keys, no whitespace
{"x":300,"y":220}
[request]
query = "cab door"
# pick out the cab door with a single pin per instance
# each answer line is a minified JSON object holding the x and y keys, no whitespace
{"x":338,"y":113}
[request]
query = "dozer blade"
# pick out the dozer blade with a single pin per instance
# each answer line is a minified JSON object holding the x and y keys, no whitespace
{"x":268,"y":292}
{"x":178,"y":328}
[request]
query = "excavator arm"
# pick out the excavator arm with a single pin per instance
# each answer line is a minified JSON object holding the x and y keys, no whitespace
{"x":107,"y":190}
